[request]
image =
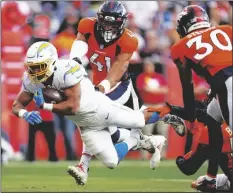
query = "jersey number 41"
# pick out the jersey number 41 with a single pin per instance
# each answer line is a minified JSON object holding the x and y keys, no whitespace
{"x":100,"y":66}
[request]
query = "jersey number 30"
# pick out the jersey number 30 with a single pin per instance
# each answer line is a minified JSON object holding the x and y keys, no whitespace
{"x":209,"y":47}
{"x":98,"y":64}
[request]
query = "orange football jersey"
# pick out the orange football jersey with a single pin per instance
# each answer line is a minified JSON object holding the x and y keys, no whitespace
{"x":201,"y":136}
{"x":102,"y":57}
{"x":210,"y":50}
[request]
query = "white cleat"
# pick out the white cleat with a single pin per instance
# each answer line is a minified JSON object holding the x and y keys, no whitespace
{"x":78,"y":173}
{"x":154,"y":145}
{"x":159,"y":141}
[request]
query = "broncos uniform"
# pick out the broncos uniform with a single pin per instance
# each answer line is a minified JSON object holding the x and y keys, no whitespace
{"x":208,"y":51}
{"x":102,"y":55}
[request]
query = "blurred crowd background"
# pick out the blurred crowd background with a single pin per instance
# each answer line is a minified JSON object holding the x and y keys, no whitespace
{"x":154,"y":74}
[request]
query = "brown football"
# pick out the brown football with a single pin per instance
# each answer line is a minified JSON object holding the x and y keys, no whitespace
{"x":52,"y":95}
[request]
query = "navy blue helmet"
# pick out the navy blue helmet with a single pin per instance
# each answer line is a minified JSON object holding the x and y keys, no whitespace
{"x":111,"y":18}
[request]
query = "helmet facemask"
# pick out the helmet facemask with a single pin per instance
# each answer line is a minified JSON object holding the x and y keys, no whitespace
{"x":39,"y":72}
{"x":110,"y":27}
{"x":40,"y":60}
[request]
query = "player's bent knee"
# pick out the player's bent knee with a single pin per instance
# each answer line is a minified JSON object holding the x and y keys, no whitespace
{"x":184,"y":167}
{"x":109,"y":159}
{"x":110,"y":165}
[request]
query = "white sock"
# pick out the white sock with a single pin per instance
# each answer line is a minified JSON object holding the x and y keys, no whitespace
{"x":135,"y":133}
{"x":131,"y":142}
{"x":209,"y":178}
{"x":85,"y":158}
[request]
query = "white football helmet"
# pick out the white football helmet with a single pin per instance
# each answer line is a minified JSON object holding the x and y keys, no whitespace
{"x":39,"y":61}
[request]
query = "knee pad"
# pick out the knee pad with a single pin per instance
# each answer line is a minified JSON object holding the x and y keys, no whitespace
{"x":184,"y":167}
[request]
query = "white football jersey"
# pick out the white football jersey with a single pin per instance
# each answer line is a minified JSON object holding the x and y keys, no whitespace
{"x":67,"y":73}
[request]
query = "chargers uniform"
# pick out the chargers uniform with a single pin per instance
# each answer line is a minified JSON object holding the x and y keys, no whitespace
{"x":96,"y":111}
{"x":209,"y":53}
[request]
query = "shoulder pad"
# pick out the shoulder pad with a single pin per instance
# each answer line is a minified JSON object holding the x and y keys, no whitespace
{"x":128,"y":42}
{"x":86,"y":25}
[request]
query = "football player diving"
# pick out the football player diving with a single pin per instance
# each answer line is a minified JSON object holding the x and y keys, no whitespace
{"x":91,"y":110}
{"x":110,"y":47}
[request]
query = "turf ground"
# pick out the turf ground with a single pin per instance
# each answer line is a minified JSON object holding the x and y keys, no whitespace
{"x":128,"y":176}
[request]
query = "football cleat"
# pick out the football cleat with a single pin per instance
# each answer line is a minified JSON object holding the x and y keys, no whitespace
{"x":154,"y":145}
{"x":156,"y":157}
{"x":140,"y":137}
{"x":78,"y":173}
{"x":205,"y":185}
{"x":176,"y":122}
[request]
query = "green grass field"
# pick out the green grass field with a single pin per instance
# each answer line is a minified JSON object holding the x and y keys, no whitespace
{"x":128,"y":176}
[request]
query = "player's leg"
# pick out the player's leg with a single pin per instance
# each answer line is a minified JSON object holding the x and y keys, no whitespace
{"x":99,"y":143}
{"x":117,"y":135}
{"x":226,"y":164}
{"x":215,"y":147}
{"x":225,"y":100}
{"x":192,"y":161}
{"x":114,"y":114}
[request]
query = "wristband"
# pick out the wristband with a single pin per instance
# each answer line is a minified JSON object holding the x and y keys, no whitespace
{"x":21,"y":113}
{"x":106,"y":84}
{"x":48,"y":106}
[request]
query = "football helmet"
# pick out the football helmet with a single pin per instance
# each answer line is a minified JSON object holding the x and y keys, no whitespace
{"x":39,"y":61}
{"x":192,"y":17}
{"x":111,"y":18}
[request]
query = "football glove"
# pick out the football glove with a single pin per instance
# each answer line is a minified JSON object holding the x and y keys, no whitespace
{"x":176,"y":122}
{"x":39,"y":98}
{"x":162,"y":110}
{"x":32,"y":117}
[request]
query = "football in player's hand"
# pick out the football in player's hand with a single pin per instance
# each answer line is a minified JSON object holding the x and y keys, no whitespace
{"x":52,"y":95}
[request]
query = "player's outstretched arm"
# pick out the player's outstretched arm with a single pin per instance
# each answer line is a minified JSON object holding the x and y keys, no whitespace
{"x":188,"y":90}
{"x":116,"y":72}
{"x":18,"y":108}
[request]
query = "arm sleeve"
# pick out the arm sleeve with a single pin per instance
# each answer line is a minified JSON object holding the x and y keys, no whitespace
{"x":185,"y":74}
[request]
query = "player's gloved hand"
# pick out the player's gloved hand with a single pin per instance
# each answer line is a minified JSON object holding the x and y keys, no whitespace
{"x":176,"y":122}
{"x":32,"y":117}
{"x":76,"y":59}
{"x":162,"y":110}
{"x":39,"y":98}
